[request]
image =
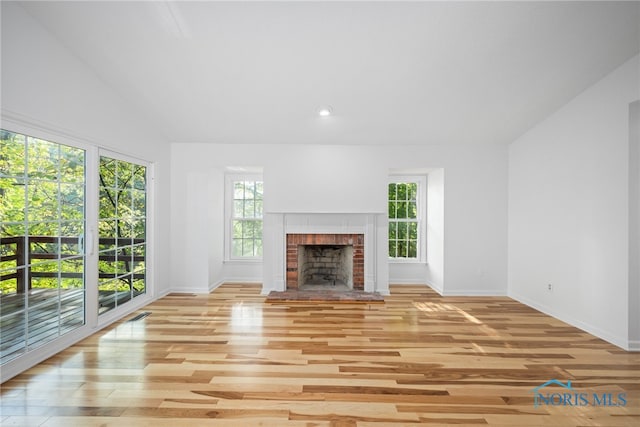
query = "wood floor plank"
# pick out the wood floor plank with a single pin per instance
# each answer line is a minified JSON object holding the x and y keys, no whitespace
{"x":231,"y":359}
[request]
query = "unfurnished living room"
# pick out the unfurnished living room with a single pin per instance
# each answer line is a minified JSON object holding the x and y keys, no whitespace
{"x":331,"y":213}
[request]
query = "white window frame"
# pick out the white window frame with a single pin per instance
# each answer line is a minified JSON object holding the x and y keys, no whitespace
{"x":421,"y":200}
{"x":228,"y":217}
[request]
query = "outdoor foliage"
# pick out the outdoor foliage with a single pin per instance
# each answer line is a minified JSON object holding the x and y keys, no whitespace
{"x":122,"y":226}
{"x":42,"y":193}
{"x":42,"y":196}
{"x":403,"y":220}
{"x":247,"y":219}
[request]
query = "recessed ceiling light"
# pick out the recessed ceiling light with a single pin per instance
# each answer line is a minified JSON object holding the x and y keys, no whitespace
{"x":325,"y":111}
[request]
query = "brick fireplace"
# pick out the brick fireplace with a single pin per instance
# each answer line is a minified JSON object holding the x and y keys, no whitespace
{"x":324,"y":244}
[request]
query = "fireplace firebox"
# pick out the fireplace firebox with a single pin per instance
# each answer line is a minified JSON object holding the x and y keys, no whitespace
{"x":325,"y":259}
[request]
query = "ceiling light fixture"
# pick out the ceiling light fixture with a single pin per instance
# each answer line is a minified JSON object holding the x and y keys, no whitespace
{"x":325,"y":111}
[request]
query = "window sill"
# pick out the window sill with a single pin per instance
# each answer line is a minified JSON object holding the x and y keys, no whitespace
{"x":243,"y":261}
{"x":407,"y":261}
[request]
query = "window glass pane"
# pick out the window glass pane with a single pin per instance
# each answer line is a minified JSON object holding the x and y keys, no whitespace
{"x":42,"y":160}
{"x":72,"y":201}
{"x":12,"y":154}
{"x":402,"y":192}
{"x":139,"y":285}
{"x":236,"y":247}
{"x":139,"y":203}
{"x":249,"y":209}
{"x":71,"y":165}
{"x":249,"y":190}
{"x":107,"y":203}
{"x":238,"y":208}
{"x":42,"y":199}
{"x":392,"y":210}
{"x":392,"y":248}
{"x":393,"y":230}
{"x":73,"y":270}
{"x":108,"y":172}
{"x":392,"y":192}
{"x":402,"y":249}
{"x":44,"y":276}
{"x":71,"y":311}
{"x":247,"y":230}
{"x":238,"y":190}
{"x":247,"y":247}
{"x":257,"y":229}
{"x":412,"y":210}
{"x":139,"y":231}
{"x":413,"y":230}
{"x":401,"y":211}
{"x":125,"y":202}
{"x":402,"y":230}
{"x":140,"y":178}
{"x":12,"y":200}
{"x":412,"y":191}
{"x":413,"y":249}
{"x":73,"y":245}
{"x":125,"y":232}
{"x":124,"y":174}
{"x":106,"y":295}
{"x":51,"y":229}
{"x":237,"y":229}
{"x":13,"y":343}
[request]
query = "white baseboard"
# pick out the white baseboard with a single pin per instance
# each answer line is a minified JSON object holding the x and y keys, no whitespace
{"x":621,"y":342}
{"x":192,"y":290}
{"x":473,"y":293}
{"x":252,"y":281}
{"x":415,"y":283}
{"x":634,"y":345}
{"x":407,"y":282}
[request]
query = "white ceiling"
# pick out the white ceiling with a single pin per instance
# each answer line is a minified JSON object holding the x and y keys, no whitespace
{"x":394,"y":72}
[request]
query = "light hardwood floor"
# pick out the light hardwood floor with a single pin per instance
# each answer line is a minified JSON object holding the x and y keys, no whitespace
{"x":230,"y":359}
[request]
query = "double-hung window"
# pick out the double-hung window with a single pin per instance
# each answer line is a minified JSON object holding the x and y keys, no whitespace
{"x":244,"y":217}
{"x":406,"y":196}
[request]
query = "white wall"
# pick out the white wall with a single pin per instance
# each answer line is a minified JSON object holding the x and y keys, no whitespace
{"x":475,"y":206}
{"x":49,"y":93}
{"x":634,"y":225}
{"x":568,"y":209}
{"x":435,"y":229}
{"x":311,"y":179}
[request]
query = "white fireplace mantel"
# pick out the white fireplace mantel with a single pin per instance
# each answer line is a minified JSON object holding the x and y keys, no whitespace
{"x":372,"y":226}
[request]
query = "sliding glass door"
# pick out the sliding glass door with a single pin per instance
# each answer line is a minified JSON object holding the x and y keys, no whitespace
{"x":42,"y":233}
{"x":53,"y":199}
{"x":122,"y":225}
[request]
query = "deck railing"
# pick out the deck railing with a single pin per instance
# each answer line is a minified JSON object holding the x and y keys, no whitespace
{"x":24,"y":255}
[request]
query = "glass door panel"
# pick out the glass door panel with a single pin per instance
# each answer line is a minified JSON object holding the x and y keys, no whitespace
{"x":122,"y":232}
{"x":42,"y":231}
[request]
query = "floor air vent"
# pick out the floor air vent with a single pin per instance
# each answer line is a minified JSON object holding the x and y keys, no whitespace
{"x":139,"y":316}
